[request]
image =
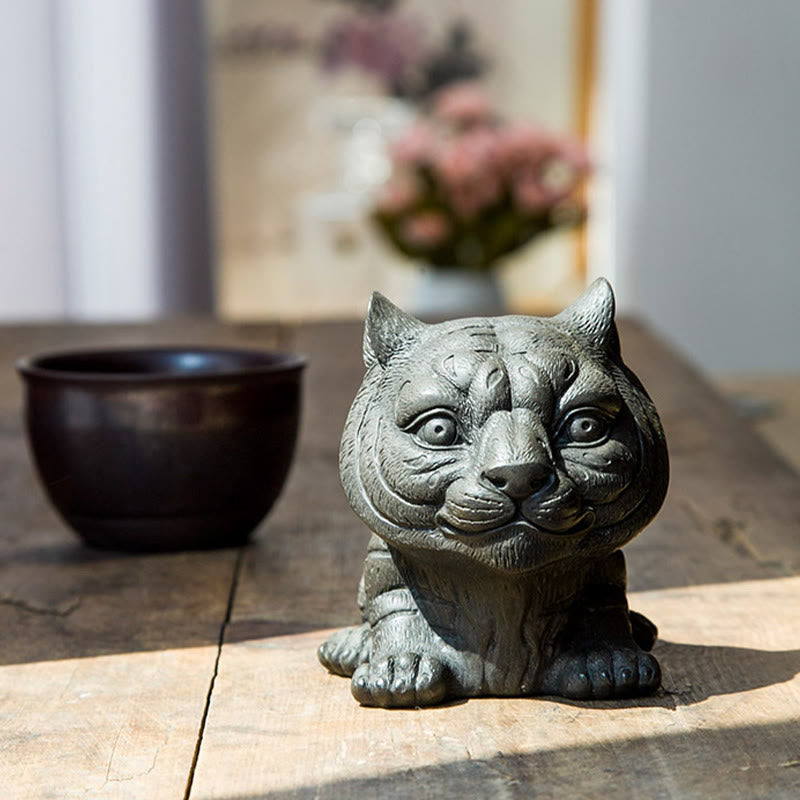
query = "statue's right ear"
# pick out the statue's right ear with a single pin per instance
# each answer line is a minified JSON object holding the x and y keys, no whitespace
{"x":387,"y":330}
{"x":591,"y":317}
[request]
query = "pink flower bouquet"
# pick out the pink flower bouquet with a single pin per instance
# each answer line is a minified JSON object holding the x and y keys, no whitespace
{"x":468,"y":188}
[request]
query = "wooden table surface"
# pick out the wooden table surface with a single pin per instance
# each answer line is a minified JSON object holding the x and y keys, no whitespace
{"x":195,"y":675}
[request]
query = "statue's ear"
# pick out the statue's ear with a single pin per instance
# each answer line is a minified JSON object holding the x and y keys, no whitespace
{"x":591,"y":317}
{"x":387,"y":331}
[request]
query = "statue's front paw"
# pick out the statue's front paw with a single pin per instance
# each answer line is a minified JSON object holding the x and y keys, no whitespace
{"x":407,"y":680}
{"x":603,"y":673}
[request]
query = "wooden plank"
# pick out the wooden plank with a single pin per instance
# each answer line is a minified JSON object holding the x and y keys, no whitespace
{"x":726,"y":726}
{"x":105,"y":659}
{"x":278,"y":726}
{"x":118,"y":726}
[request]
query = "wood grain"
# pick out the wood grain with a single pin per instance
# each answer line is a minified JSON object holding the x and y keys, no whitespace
{"x":106,"y":661}
{"x":118,"y":726}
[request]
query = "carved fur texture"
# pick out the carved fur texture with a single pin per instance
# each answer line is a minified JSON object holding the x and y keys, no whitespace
{"x":501,"y":463}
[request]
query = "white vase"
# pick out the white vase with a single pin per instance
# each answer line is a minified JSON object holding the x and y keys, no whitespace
{"x":454,"y":292}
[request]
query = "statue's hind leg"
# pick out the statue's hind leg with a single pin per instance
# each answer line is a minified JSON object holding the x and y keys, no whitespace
{"x":602,"y":651}
{"x":644,"y":632}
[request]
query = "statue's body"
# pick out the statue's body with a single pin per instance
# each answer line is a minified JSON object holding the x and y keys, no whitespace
{"x":501,"y":463}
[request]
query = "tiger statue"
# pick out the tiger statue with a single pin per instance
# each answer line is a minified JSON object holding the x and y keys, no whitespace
{"x":500,"y":464}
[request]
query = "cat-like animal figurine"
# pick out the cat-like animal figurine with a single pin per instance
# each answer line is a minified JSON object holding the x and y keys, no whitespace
{"x":501,"y":463}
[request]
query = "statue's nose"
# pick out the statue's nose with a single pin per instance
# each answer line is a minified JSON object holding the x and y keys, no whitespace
{"x":519,"y":481}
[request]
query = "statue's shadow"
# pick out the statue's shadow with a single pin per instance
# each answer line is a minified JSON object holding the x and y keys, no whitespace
{"x":693,"y":673}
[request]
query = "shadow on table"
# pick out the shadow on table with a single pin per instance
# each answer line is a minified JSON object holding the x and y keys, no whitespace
{"x":61,"y":600}
{"x":693,"y":673}
{"x":740,"y":762}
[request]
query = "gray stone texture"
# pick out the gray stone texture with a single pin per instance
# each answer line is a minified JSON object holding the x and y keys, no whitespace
{"x":500,"y":464}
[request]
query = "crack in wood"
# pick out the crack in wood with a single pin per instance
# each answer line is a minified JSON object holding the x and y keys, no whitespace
{"x":733,"y":533}
{"x":136,"y":775}
{"x":32,"y":608}
{"x":221,"y":641}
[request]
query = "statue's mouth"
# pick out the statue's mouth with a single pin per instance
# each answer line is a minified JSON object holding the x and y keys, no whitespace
{"x":517,"y":527}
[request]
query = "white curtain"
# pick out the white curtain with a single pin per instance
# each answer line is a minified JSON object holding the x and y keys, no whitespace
{"x":105,"y":196}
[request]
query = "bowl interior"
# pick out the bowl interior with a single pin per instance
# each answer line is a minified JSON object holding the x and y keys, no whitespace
{"x":162,"y":361}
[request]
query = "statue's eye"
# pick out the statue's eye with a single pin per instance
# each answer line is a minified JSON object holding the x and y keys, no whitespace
{"x":586,"y":427}
{"x":439,"y":429}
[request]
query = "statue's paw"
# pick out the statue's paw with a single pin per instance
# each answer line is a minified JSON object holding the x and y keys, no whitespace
{"x":342,"y":652}
{"x":406,"y":680}
{"x":604,"y":673}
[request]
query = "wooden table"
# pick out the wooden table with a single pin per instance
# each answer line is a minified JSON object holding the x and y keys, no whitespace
{"x":195,"y":675}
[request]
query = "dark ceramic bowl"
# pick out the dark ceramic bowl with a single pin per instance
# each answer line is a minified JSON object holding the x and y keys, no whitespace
{"x":162,"y":448}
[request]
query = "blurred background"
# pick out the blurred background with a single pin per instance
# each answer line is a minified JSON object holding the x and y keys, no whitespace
{"x":177,"y":157}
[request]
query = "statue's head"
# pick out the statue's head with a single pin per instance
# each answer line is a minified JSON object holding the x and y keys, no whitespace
{"x":514,"y":441}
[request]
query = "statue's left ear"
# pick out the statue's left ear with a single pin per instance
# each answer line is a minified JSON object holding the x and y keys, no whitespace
{"x":388,"y":330}
{"x":591,"y":317}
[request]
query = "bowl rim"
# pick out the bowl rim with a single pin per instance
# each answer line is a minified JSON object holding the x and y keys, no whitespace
{"x":285,"y":363}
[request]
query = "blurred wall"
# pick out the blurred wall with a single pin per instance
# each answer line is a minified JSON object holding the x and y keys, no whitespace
{"x":701,"y":119}
{"x":31,"y":262}
{"x":104,"y":175}
{"x":108,"y":146}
